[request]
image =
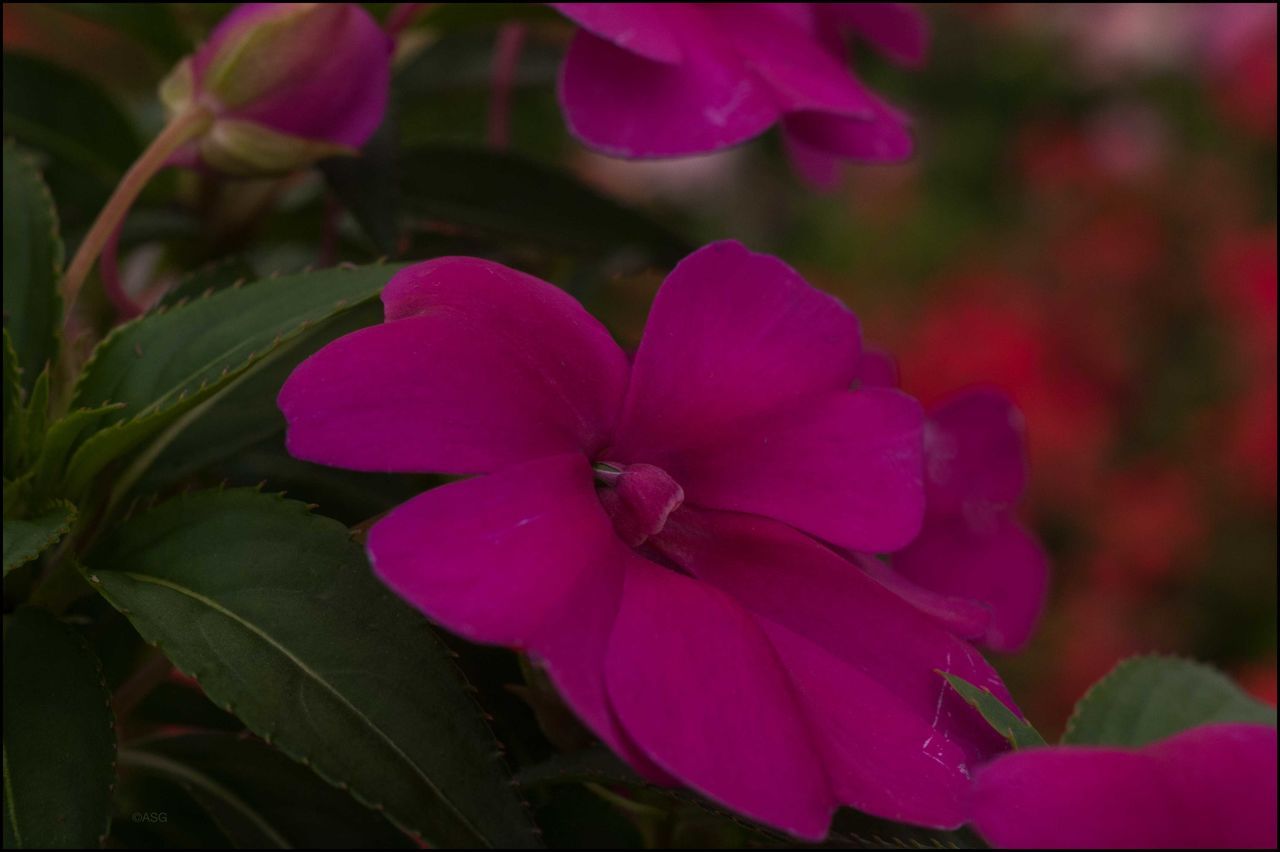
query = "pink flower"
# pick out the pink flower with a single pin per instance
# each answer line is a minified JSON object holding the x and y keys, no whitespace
{"x":287,"y":83}
{"x":974,"y":566}
{"x":671,"y":79}
{"x":1212,"y":787}
{"x":653,"y":531}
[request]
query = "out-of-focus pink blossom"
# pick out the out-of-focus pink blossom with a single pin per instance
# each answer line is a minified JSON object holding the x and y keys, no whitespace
{"x":973,"y":564}
{"x":663,"y":80}
{"x":1212,"y":787}
{"x":656,"y":531}
{"x":286,"y":84}
{"x":972,"y":545}
{"x":988,"y":330}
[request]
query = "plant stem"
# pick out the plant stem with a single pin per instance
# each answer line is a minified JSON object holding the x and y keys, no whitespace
{"x":506,"y":57}
{"x":60,"y":586}
{"x":146,"y":677}
{"x":109,"y":271}
{"x":181,"y":129}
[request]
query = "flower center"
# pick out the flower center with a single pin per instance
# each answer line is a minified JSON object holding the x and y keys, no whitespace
{"x":638,"y":499}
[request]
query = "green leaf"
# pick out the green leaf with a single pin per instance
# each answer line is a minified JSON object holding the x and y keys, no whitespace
{"x":240,"y":440}
{"x":508,"y":196}
{"x":1017,"y":731}
{"x":55,"y":450}
{"x":89,"y":141}
{"x":36,"y":417}
{"x":163,"y":365}
{"x":274,"y":611}
{"x":248,"y":414}
{"x":575,"y":817}
{"x":25,"y":425}
{"x":59,"y":739}
{"x":24,"y":540}
{"x":368,"y":186}
{"x":1148,"y":698}
{"x":209,"y":280}
{"x":260,"y":797}
{"x":600,"y":769}
{"x":32,"y":265}
{"x":597,"y":764}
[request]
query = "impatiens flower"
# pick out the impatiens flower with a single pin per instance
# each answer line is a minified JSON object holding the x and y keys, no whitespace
{"x":1212,"y":787}
{"x":973,"y":564}
{"x":972,"y":545}
{"x":286,"y":84}
{"x":671,"y":79}
{"x":659,"y":532}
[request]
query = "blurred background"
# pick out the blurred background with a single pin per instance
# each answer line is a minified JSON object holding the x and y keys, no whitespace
{"x":1089,"y":224}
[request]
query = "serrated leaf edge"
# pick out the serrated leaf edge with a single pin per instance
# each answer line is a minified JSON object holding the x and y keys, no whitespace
{"x":51,"y":539}
{"x":268,"y":737}
{"x":1118,"y":670}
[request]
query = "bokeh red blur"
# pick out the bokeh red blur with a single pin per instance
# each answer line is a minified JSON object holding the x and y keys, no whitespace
{"x":1130,"y":309}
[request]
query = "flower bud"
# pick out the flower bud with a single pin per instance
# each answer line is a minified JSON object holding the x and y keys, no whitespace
{"x":285,"y":84}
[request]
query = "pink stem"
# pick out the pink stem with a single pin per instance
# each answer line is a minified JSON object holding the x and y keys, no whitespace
{"x":180,"y":130}
{"x":506,"y":56}
{"x":109,"y":269}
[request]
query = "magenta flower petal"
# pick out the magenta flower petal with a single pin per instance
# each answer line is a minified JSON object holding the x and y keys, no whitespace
{"x":699,"y":688}
{"x":471,"y":350}
{"x":898,"y":30}
{"x":975,"y":450}
{"x":651,"y":30}
{"x":1212,"y":787}
{"x":845,"y":467}
{"x":782,"y":51}
{"x":573,"y":652}
{"x":972,"y":545}
{"x":523,"y":557}
{"x":495,"y":557}
{"x":879,"y":756}
{"x":786,"y":577}
{"x":884,"y":138}
{"x":820,"y":169}
{"x":655,"y":80}
{"x":878,"y":369}
{"x":629,"y":106}
{"x":732,"y":334}
{"x":963,"y":616}
{"x":1003,"y":567}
